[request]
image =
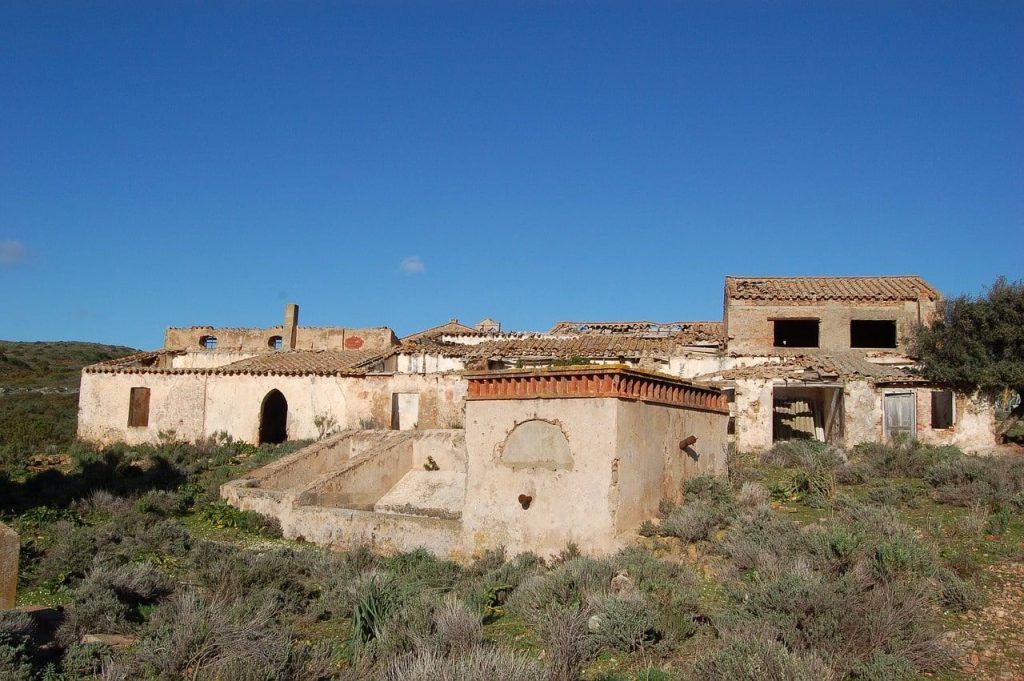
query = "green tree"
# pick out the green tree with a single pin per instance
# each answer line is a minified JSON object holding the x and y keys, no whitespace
{"x":979,"y":345}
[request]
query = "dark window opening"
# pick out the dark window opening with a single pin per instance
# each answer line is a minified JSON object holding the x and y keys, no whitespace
{"x":275,"y":342}
{"x":796,"y":333}
{"x":274,"y":418}
{"x":208,"y":342}
{"x":873,"y":333}
{"x":138,"y":408}
{"x":942,"y":409}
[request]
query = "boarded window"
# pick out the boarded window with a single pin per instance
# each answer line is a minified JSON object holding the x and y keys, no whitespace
{"x":138,"y":408}
{"x":873,"y":333}
{"x":942,"y":409}
{"x":796,"y":333}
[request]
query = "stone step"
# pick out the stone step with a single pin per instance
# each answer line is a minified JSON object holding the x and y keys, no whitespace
{"x":434,"y":494}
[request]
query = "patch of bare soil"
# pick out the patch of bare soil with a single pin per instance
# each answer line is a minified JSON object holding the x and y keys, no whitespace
{"x":992,"y":638}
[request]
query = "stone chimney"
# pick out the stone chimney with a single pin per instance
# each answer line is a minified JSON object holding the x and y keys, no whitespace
{"x":291,"y":324}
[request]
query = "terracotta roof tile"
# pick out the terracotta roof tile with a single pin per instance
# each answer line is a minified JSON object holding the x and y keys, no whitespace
{"x":811,"y":366}
{"x":450,"y":328}
{"x":894,"y":288}
{"x":284,"y":363}
{"x":695,"y":331}
{"x":595,"y":346}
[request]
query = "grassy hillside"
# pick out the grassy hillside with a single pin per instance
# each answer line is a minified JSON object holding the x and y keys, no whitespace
{"x":39,"y":395}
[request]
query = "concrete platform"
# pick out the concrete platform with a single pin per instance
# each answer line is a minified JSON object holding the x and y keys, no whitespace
{"x":433,"y":494}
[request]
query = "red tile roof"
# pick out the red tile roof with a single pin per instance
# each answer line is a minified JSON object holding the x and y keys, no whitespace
{"x":895,"y":288}
{"x":284,"y":363}
{"x":538,"y":346}
{"x":695,"y":331}
{"x":450,"y":328}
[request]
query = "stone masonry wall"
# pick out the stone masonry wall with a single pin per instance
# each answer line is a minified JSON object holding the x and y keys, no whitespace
{"x":750,"y":328}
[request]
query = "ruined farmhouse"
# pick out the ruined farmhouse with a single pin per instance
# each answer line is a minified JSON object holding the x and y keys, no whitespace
{"x":464,"y":438}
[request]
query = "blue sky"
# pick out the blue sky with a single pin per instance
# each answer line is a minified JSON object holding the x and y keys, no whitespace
{"x":391,"y":163}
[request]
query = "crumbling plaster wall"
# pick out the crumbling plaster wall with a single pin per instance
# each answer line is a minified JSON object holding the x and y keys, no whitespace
{"x":753,"y":406}
{"x":176,"y":404}
{"x":197,"y":405}
{"x":974,"y":423}
{"x":625,"y":459}
{"x":750,"y":329}
{"x":650,"y":466}
{"x":567,"y":505}
{"x":377,"y":339}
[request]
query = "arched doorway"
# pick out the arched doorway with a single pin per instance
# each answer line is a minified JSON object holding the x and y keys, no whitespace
{"x":274,"y":418}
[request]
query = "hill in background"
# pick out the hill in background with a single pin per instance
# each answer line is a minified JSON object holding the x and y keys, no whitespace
{"x":39,"y":394}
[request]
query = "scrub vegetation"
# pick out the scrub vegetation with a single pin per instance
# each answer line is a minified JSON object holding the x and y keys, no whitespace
{"x":804,"y":563}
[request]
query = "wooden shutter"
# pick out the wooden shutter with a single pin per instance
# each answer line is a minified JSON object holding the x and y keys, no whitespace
{"x":138,"y":408}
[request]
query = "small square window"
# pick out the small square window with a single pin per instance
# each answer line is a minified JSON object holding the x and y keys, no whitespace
{"x":138,"y":408}
{"x":942,"y":409}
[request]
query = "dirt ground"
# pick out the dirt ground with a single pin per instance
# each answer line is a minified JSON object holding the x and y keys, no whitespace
{"x":992,"y":638}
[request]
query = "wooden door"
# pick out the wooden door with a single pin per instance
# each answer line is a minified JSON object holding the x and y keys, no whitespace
{"x":899,"y":415}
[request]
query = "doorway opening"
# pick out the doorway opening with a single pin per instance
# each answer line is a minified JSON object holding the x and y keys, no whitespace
{"x":808,"y":413}
{"x":274,"y":418}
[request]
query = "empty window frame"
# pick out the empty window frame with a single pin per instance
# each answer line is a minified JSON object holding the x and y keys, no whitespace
{"x":942,"y":409}
{"x":138,"y":408}
{"x":796,"y":333}
{"x":208,"y":342}
{"x":873,"y":333}
{"x":275,"y":343}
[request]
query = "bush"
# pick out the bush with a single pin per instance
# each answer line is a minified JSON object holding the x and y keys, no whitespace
{"x":902,"y":458}
{"x":566,"y":585}
{"x":623,"y":623}
{"x":757,"y":658}
{"x":804,"y":454}
{"x":478,"y":664}
{"x":956,"y":593}
{"x":691,"y":522}
{"x":563,"y":633}
{"x":884,"y":667}
{"x":753,"y":496}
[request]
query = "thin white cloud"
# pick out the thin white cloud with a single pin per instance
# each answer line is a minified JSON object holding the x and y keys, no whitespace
{"x":413,"y":265}
{"x":11,"y":252}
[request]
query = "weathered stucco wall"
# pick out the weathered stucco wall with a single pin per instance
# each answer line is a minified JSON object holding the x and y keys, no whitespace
{"x":750,"y":329}
{"x":650,"y":466}
{"x":568,"y":504}
{"x":623,"y":459}
{"x":377,"y":339}
{"x":176,"y":404}
{"x":196,"y":406}
{"x":9,"y":547}
{"x":753,"y":406}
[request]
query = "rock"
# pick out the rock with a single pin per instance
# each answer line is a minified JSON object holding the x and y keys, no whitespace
{"x":594,"y":623}
{"x":115,"y":641}
{"x":622,"y":584}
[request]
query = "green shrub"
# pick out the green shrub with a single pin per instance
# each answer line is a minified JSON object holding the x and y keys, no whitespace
{"x":957,"y":594}
{"x":478,"y":664}
{"x":804,"y":454}
{"x":623,"y":623}
{"x":884,"y":667}
{"x":691,"y":522}
{"x":757,"y":658}
{"x":224,"y":515}
{"x":998,"y":522}
{"x":378,"y":598}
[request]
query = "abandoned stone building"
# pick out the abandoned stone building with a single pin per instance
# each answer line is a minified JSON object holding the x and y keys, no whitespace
{"x":464,"y":438}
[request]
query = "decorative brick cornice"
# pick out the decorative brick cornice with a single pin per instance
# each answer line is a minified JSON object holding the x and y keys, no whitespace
{"x":597,"y":381}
